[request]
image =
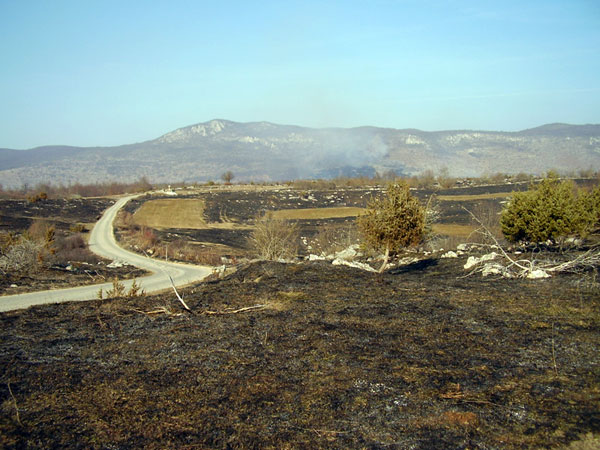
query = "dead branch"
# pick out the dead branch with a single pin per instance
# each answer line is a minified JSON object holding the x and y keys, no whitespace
{"x":234,"y":311}
{"x":589,"y":259}
{"x":179,"y":297}
{"x":489,"y":234}
{"x":15,"y":403}
{"x":173,"y":285}
{"x":161,"y":310}
{"x":553,"y":352}
{"x":87,"y":272}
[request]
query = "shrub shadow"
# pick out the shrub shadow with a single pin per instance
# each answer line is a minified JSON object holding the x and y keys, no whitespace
{"x":414,"y":267}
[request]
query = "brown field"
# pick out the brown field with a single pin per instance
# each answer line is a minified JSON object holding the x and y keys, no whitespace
{"x":318,"y":213}
{"x":172,"y":213}
{"x":471,"y":197}
{"x":452,"y":229}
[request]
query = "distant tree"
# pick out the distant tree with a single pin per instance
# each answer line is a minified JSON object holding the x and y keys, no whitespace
{"x":388,"y":175}
{"x":426,"y":179}
{"x":227,"y":176}
{"x":393,"y":222}
{"x":444,"y":179}
{"x":142,"y":185}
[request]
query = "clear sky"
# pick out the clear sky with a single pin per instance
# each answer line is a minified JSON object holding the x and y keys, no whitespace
{"x":88,"y":72}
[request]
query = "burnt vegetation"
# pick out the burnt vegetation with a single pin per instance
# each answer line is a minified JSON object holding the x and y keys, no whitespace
{"x":333,"y":358}
{"x":307,"y":354}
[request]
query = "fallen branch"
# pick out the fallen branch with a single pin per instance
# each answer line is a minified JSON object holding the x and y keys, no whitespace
{"x":234,"y":311}
{"x":179,"y":297}
{"x":489,"y":234}
{"x":161,"y":310}
{"x":87,"y":272}
{"x":15,"y":403}
{"x":173,"y":285}
{"x":587,"y":260}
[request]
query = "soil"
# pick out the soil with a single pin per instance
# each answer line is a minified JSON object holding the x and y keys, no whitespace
{"x":322,"y":357}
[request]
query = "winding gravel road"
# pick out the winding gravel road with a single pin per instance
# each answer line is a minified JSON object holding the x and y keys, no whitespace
{"x":103,"y":243}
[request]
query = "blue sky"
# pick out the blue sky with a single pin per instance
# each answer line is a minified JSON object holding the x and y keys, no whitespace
{"x":113,"y":72}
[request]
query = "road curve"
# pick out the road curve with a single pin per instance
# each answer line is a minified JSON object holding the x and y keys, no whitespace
{"x":103,"y":243}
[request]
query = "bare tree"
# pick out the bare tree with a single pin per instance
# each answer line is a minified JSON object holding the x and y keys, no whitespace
{"x":273,"y":238}
{"x":227,"y":176}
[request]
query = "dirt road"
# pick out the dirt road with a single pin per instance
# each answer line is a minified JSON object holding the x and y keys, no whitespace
{"x":103,"y":243}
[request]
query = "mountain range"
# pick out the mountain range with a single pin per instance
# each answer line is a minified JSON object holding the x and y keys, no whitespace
{"x":263,"y":151}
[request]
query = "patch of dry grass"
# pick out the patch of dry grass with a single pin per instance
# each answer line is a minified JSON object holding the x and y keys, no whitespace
{"x":171,"y":213}
{"x":452,"y":229}
{"x":466,"y":198}
{"x":317,"y":213}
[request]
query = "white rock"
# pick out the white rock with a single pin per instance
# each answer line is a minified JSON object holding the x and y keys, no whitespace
{"x":313,"y":257}
{"x":407,"y":260}
{"x":449,"y":254}
{"x":347,"y":254}
{"x":357,"y":265}
{"x":473,"y":260}
{"x":116,"y":264}
{"x":462,"y":247}
{"x":492,"y":269}
{"x":537,"y":274}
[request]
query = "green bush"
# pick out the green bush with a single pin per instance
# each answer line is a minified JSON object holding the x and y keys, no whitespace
{"x":551,"y":210}
{"x":393,"y":222}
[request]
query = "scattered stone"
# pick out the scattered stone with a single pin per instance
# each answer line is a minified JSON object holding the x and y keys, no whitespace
{"x":473,"y":260}
{"x":495,"y":269}
{"x":116,"y":264}
{"x":450,"y":254}
{"x":357,"y":265}
{"x":537,"y":274}
{"x":407,"y":260}
{"x":348,"y":254}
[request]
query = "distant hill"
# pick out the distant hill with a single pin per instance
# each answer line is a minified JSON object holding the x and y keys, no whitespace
{"x":263,"y":151}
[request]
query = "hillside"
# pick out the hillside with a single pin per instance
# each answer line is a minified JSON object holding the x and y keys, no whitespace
{"x":265,"y":151}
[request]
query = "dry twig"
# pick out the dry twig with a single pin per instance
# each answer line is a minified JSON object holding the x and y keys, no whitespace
{"x":15,"y":403}
{"x":173,"y":285}
{"x":234,"y":311}
{"x":489,"y":234}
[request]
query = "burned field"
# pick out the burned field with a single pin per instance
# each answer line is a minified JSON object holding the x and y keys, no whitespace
{"x":18,"y":215}
{"x":307,"y":354}
{"x":310,"y":356}
{"x":228,"y":216}
{"x":70,"y":263}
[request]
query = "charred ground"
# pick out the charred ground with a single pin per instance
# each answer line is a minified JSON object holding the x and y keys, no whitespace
{"x":310,"y":355}
{"x":336,"y":358}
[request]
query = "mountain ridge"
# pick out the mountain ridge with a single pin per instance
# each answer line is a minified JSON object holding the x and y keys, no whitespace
{"x":265,"y":151}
